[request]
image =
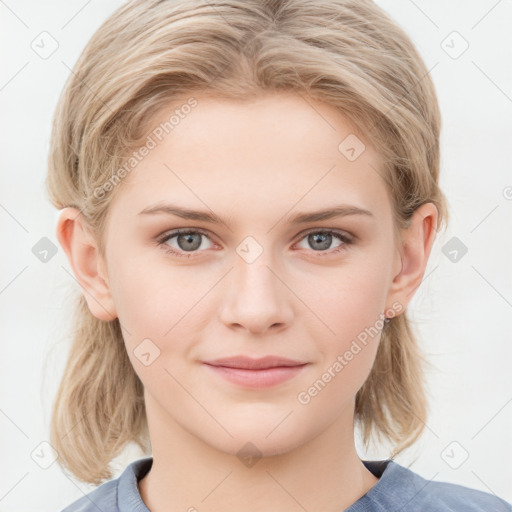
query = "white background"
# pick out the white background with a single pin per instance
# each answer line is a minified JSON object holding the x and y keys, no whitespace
{"x":463,"y":309}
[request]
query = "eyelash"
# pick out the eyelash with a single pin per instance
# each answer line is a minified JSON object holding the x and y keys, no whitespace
{"x":168,"y":236}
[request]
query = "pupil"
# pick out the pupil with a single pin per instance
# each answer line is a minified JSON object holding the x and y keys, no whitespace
{"x":189,"y":239}
{"x":323,"y":239}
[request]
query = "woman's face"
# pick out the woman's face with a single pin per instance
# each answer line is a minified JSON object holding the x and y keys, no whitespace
{"x":256,"y":283}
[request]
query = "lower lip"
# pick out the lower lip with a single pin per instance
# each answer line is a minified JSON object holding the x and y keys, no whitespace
{"x":257,"y":378}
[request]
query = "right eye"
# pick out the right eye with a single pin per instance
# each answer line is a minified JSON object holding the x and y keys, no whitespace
{"x":188,"y":242}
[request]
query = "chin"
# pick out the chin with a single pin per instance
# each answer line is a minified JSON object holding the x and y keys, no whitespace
{"x":254,"y":446}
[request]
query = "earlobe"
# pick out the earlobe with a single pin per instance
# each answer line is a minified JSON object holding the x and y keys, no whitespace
{"x":81,"y":250}
{"x":418,"y":239}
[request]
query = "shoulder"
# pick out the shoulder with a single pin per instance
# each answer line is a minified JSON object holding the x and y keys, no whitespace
{"x":102,"y":498}
{"x":402,"y":488}
{"x":457,"y":497}
{"x":112,"y":495}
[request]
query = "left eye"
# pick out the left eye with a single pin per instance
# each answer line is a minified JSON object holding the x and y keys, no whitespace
{"x":190,"y":241}
{"x":322,"y":240}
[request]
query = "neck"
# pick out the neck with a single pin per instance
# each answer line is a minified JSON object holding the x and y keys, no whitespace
{"x":188,"y":474}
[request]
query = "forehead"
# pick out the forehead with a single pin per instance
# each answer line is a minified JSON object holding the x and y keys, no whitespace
{"x":270,"y":153}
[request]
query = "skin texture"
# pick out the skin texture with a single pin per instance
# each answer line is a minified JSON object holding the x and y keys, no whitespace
{"x":254,"y":164}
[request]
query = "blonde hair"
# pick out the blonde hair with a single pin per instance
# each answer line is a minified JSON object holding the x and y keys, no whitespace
{"x":347,"y":53}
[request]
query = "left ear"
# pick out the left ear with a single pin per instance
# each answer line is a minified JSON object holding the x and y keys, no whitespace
{"x":417,"y":240}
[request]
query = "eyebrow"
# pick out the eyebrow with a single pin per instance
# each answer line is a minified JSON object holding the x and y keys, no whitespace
{"x":341,"y":210}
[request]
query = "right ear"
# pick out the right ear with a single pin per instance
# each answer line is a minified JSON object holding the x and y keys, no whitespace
{"x":86,"y":262}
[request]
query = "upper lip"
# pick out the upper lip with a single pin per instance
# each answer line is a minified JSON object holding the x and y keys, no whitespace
{"x":250,"y":363}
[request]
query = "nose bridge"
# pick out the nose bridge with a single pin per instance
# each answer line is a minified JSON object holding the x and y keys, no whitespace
{"x":253,"y":263}
{"x":257,"y":299}
{"x":256,"y":280}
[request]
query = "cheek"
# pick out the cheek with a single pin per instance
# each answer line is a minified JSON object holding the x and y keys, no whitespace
{"x":156,"y":309}
{"x":350,"y":307}
{"x":154,"y":313}
{"x":345,"y":350}
{"x":148,"y":300}
{"x":352,"y":297}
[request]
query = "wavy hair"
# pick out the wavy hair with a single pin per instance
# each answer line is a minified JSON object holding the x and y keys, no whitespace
{"x":347,"y":53}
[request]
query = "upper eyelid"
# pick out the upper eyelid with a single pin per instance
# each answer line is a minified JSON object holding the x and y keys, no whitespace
{"x":181,"y":231}
{"x":340,"y":233}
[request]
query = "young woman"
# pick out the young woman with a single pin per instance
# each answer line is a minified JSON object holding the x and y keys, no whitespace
{"x":250,"y":194}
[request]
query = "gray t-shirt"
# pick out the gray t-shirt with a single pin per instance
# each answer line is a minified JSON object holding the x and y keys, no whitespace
{"x":398,"y":489}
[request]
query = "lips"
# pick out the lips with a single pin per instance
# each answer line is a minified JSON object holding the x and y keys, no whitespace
{"x":249,"y":363}
{"x":256,"y":373}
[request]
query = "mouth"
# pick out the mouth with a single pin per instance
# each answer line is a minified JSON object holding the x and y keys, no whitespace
{"x":250,"y":363}
{"x":256,"y":373}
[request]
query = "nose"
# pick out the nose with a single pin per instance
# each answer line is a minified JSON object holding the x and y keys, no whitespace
{"x":256,"y":298}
